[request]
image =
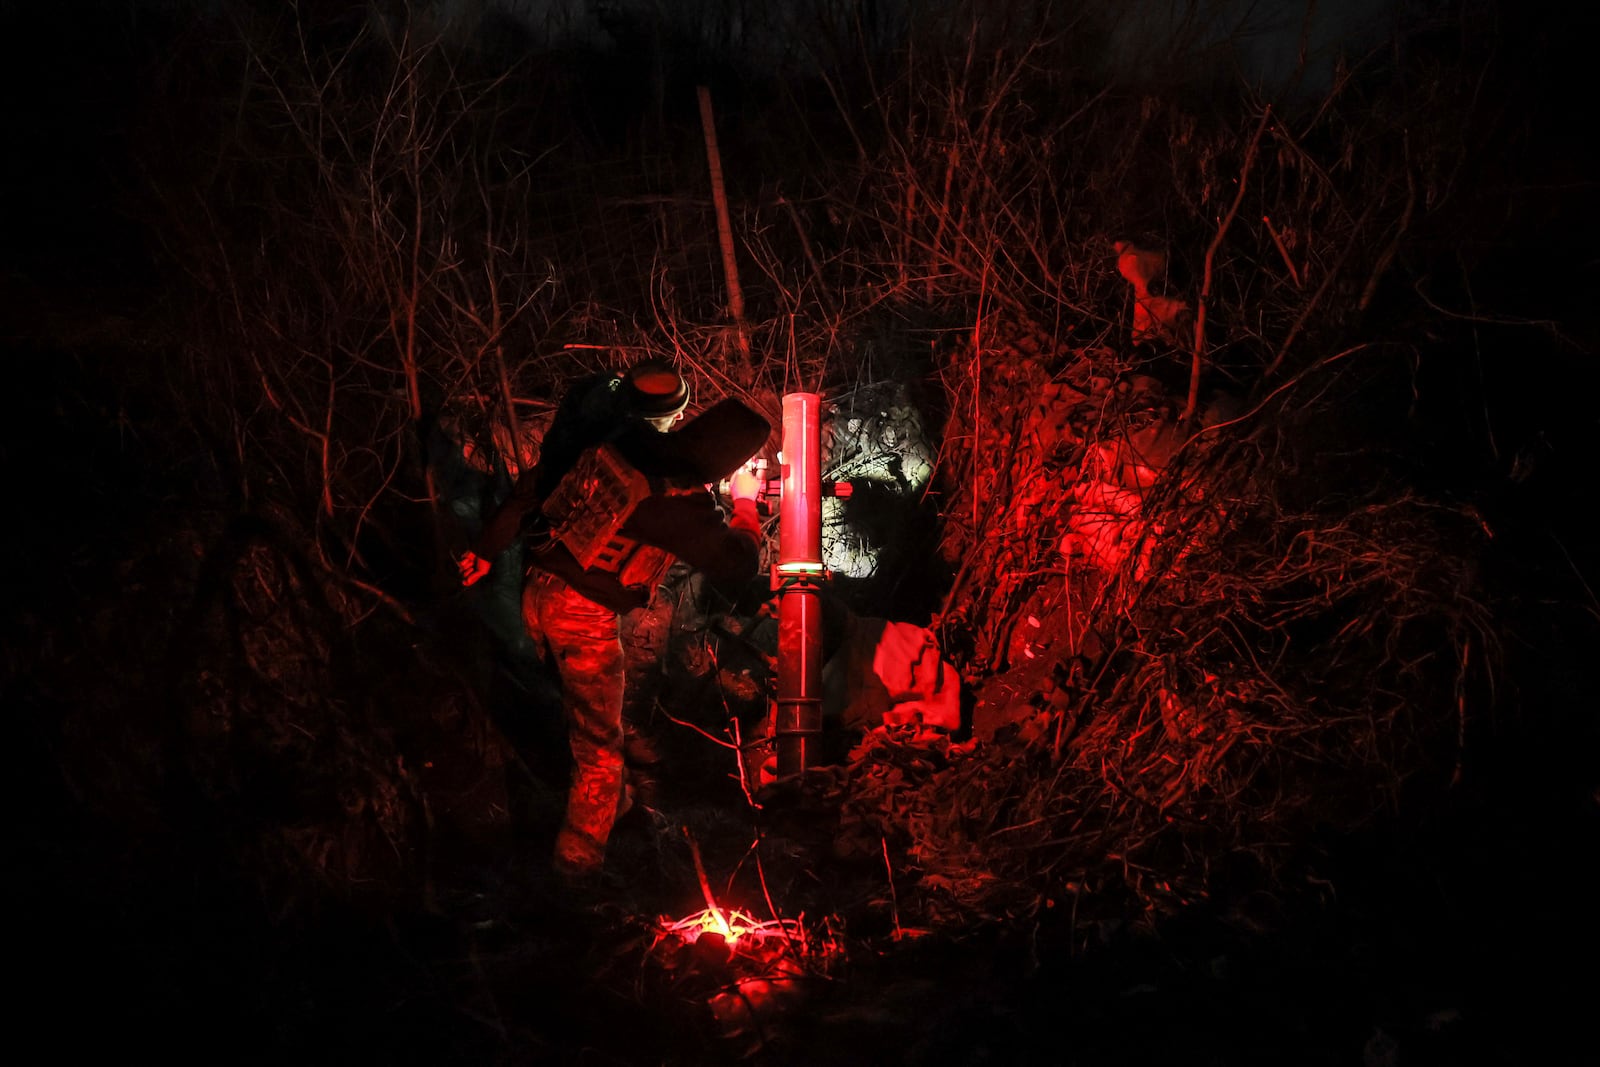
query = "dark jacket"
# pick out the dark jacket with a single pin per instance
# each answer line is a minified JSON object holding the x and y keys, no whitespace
{"x":681,"y":516}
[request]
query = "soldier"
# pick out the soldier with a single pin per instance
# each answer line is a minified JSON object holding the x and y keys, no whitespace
{"x":612,"y":501}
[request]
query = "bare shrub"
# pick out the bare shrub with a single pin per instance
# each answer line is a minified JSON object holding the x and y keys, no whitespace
{"x":391,"y":235}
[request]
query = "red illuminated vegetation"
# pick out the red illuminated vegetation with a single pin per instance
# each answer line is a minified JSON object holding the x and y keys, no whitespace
{"x":1192,"y":417}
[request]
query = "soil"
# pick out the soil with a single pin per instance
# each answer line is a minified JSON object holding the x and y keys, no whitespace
{"x":1461,"y":942}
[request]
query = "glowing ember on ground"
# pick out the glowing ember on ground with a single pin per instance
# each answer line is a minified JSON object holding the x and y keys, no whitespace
{"x":733,"y":925}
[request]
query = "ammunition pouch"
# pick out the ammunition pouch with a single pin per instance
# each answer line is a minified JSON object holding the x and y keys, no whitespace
{"x":588,"y":509}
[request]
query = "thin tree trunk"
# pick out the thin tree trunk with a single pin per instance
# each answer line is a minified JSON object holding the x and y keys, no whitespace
{"x":1211,"y":255}
{"x":719,"y":194}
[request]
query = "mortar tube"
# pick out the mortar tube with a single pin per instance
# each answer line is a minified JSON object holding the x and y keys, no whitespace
{"x":797,"y":711}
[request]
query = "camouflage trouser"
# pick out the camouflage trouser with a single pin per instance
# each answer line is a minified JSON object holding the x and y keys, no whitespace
{"x":582,"y":638}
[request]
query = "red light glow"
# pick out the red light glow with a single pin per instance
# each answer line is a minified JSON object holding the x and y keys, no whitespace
{"x":733,"y":926}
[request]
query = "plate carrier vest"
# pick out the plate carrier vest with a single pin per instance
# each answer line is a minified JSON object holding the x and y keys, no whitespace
{"x":591,"y":504}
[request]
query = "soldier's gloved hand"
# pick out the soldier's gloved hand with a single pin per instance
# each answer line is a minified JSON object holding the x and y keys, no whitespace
{"x":472,"y":566}
{"x":744,"y":485}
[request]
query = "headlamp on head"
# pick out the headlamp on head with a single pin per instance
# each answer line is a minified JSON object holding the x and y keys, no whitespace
{"x":655,"y":390}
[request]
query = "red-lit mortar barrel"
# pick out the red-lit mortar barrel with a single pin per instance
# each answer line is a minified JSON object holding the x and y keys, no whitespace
{"x":797,"y":712}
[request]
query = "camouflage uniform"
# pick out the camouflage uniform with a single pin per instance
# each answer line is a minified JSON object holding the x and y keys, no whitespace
{"x":572,"y":612}
{"x":581,"y":637}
